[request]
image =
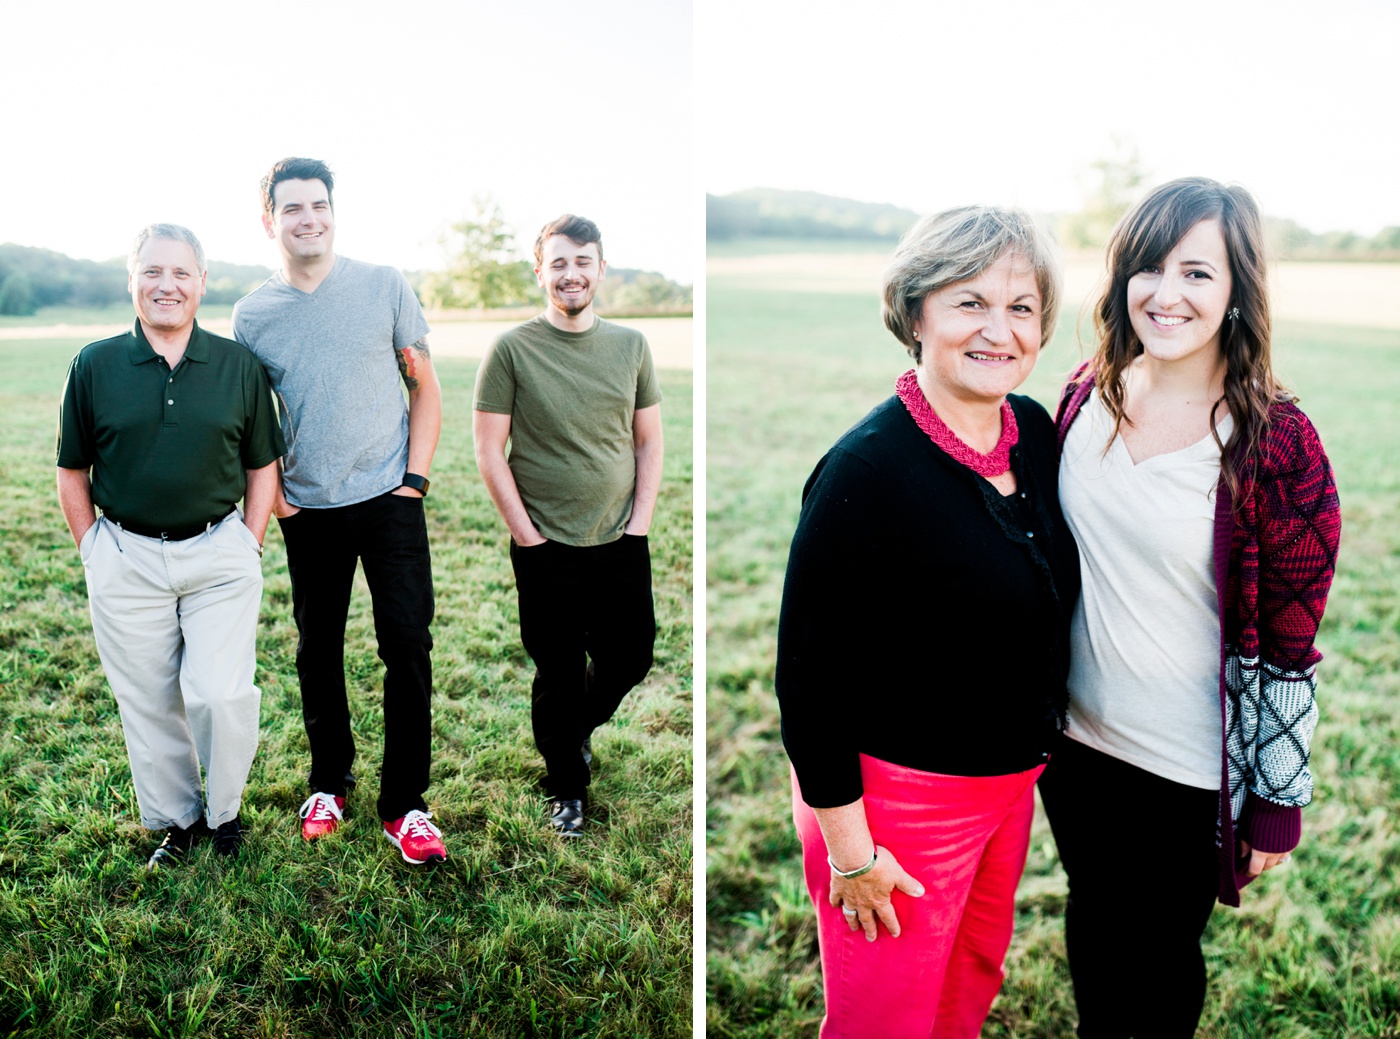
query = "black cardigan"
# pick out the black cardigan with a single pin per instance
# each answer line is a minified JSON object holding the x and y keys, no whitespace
{"x":925,"y":618}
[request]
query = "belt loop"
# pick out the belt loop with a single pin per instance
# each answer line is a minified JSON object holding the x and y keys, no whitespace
{"x":116,"y":536}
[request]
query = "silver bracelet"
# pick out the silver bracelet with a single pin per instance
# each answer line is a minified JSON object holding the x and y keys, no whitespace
{"x":862,"y":871}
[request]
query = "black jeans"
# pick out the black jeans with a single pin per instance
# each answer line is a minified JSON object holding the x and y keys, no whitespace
{"x":1141,"y":858}
{"x":587,"y":621}
{"x":389,"y":537}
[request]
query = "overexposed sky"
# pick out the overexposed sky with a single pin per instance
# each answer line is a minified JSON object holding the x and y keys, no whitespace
{"x":933,"y":104}
{"x":120,"y":114}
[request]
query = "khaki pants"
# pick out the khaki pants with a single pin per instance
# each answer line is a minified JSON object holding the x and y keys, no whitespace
{"x":175,"y":623}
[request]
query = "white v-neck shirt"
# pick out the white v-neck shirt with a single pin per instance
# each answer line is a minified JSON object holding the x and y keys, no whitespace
{"x":1145,"y":638}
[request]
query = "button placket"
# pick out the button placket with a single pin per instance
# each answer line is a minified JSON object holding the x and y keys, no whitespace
{"x":169,"y":397}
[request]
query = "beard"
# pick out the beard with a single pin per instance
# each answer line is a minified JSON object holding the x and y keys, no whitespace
{"x":573,"y":307}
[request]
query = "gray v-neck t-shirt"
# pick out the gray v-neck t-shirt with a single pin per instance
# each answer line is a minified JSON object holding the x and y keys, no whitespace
{"x":331,"y":356}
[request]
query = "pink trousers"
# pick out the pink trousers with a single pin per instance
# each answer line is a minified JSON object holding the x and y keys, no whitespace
{"x":965,"y":839}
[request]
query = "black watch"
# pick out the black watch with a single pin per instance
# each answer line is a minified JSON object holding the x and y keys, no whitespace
{"x":418,"y":483}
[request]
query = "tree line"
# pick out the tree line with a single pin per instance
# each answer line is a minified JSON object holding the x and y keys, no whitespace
{"x":484,"y":269}
{"x":31,"y":278}
{"x":770,"y":213}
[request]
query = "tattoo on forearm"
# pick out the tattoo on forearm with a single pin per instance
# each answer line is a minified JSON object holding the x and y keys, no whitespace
{"x":406,"y":368}
{"x":408,"y":362}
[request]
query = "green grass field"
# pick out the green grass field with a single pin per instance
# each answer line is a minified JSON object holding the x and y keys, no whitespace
{"x":517,"y":934}
{"x":1315,"y":952}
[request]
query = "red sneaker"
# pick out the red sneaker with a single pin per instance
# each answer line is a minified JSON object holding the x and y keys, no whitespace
{"x":321,"y":814}
{"x":418,"y":840}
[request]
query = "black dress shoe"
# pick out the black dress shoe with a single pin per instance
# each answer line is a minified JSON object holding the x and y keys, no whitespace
{"x":176,"y":845}
{"x":566,"y":817}
{"x":228,"y":838}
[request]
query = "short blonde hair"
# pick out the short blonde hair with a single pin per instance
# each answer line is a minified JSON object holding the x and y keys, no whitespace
{"x":958,"y":244}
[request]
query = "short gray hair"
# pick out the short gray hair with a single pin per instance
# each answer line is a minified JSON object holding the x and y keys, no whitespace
{"x":170,"y":232}
{"x":959,"y":244}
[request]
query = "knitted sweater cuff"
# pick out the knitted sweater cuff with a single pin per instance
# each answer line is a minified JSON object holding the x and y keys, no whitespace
{"x":1270,"y":827}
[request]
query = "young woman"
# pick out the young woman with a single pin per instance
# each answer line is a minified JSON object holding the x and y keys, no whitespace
{"x":1207,"y":521}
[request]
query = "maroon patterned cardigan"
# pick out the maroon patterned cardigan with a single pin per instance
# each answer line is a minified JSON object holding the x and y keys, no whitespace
{"x":1274,"y":560}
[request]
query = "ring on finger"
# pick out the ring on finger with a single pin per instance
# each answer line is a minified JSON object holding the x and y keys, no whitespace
{"x":848,"y":911}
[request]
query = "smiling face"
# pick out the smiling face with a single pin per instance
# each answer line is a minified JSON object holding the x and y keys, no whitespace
{"x":301,"y":221}
{"x":980,"y":337}
{"x":569,"y":274}
{"x":1177,"y":307}
{"x":166,"y":285}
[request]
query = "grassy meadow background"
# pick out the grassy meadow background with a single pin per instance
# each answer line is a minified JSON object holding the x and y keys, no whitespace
{"x":517,"y":934}
{"x":796,"y":354}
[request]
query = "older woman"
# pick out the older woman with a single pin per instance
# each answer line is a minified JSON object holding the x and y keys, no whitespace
{"x":1207,"y":517}
{"x":922,"y":647}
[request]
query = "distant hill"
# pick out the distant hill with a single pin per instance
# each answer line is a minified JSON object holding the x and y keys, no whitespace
{"x":771,"y":213}
{"x":31,"y":278}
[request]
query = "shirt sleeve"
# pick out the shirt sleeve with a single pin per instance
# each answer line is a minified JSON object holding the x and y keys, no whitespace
{"x":1299,"y":524}
{"x":495,"y":381}
{"x":262,"y":441}
{"x":822,"y":628}
{"x":1299,"y":530}
{"x":648,"y":387}
{"x":409,"y":323}
{"x":238,"y":331}
{"x":74,"y":447}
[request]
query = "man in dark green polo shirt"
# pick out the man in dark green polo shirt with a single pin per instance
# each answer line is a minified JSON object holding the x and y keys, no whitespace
{"x":163,"y":429}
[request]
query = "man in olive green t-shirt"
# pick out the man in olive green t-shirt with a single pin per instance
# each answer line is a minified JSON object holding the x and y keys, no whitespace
{"x":164,"y":428}
{"x":578,"y":400}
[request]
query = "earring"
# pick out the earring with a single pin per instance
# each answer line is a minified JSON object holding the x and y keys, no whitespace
{"x":916,"y":335}
{"x":1234,"y":314}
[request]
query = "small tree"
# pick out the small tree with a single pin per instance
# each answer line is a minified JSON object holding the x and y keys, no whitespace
{"x":1114,"y":184}
{"x":642,"y":292}
{"x":483,"y":267}
{"x":1387,"y":239}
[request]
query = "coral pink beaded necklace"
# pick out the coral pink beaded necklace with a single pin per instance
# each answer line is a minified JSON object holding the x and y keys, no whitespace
{"x":994,"y":463}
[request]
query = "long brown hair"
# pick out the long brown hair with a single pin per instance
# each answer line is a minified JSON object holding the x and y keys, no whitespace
{"x":1143,"y":238}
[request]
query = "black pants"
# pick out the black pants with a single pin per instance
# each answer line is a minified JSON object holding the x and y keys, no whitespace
{"x":587,"y":621}
{"x":1141,"y":858}
{"x":389,"y":537}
